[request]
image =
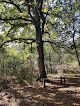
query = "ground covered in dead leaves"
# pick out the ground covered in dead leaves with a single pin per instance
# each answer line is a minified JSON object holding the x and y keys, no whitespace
{"x":33,"y":94}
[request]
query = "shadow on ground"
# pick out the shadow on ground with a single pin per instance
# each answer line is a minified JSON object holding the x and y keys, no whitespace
{"x":55,"y":94}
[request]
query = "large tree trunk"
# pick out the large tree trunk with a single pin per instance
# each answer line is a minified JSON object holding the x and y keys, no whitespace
{"x":41,"y":66}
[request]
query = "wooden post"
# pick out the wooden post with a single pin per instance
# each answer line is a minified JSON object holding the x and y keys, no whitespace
{"x":44,"y":82}
{"x":61,"y":80}
{"x":64,"y":80}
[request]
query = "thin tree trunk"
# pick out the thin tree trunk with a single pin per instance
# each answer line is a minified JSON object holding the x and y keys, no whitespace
{"x":77,"y":55}
{"x":76,"y":51}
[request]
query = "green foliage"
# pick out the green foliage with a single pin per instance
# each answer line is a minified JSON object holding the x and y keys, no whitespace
{"x":18,"y":23}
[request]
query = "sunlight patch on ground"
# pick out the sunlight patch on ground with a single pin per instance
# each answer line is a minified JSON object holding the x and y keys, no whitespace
{"x":77,"y":95}
{"x":58,"y":103}
{"x":39,"y":96}
{"x":27,"y":94}
{"x":51,"y":94}
{"x":71,"y":88}
{"x":28,"y":84}
{"x":76,"y":104}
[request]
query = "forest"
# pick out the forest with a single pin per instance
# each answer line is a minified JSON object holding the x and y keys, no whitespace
{"x":40,"y":52}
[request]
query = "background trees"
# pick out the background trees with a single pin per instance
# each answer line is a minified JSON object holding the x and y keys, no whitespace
{"x":42,"y":24}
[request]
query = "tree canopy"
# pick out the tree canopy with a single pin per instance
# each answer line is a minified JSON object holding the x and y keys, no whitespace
{"x":41,"y":22}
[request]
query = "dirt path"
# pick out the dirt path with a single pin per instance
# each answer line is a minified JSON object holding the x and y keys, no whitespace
{"x":33,"y":94}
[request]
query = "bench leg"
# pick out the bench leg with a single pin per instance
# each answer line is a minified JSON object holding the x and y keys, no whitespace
{"x":44,"y":83}
{"x":64,"y":80}
{"x":61,"y":80}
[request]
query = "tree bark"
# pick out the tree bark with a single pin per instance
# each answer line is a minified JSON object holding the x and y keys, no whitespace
{"x":41,"y":66}
{"x":76,"y":51}
{"x":77,"y":55}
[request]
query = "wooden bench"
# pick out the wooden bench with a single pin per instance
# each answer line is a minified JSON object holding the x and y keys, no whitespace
{"x":62,"y":81}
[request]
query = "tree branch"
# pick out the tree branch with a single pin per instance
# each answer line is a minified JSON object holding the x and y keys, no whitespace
{"x":21,"y":24}
{"x":11,"y":2}
{"x":9,"y":30}
{"x":41,"y":4}
{"x":57,"y":44}
{"x":29,"y":11}
{"x":19,"y":39}
{"x":16,"y":25}
{"x":50,"y":23}
{"x":52,"y":42}
{"x":19,"y":18}
{"x":46,"y":32}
